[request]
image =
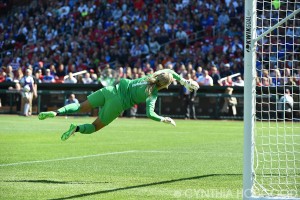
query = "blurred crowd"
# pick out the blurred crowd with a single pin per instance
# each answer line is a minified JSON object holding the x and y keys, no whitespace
{"x":56,"y":39}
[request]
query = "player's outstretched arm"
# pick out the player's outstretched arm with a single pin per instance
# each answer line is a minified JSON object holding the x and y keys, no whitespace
{"x":150,"y":104}
{"x":189,"y":84}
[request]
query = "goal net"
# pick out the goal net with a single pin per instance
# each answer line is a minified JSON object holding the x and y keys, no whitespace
{"x":272,"y":105}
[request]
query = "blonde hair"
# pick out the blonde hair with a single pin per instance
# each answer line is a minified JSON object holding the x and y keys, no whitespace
{"x":158,"y":79}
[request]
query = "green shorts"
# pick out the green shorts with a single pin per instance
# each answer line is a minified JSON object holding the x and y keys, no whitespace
{"x":109,"y":102}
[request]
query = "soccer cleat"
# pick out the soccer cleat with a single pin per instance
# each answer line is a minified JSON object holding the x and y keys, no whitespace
{"x":69,"y":132}
{"x":44,"y":115}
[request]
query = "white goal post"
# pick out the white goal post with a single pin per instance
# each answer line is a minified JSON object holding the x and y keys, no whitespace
{"x":271,"y":137}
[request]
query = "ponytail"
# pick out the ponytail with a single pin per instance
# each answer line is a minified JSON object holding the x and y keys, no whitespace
{"x":151,"y":80}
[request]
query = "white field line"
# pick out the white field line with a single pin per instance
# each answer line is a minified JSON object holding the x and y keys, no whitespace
{"x":189,"y":152}
{"x":113,"y":153}
{"x":68,"y":158}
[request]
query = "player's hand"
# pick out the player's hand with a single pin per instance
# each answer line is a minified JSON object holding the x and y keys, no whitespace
{"x":191,"y":85}
{"x":168,"y":120}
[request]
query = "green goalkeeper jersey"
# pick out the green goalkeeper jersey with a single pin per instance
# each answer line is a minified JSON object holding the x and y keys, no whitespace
{"x":134,"y":92}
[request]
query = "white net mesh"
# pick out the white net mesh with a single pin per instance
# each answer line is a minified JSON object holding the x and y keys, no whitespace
{"x":277,"y":127}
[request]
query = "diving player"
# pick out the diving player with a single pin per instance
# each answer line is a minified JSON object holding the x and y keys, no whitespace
{"x":113,"y":100}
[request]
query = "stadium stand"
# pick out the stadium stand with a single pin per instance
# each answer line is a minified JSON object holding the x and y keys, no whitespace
{"x":92,"y":35}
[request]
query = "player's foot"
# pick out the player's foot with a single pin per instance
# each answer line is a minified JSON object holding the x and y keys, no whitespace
{"x":44,"y":115}
{"x":69,"y":132}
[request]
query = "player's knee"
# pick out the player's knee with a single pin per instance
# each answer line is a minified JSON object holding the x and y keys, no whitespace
{"x":85,"y":106}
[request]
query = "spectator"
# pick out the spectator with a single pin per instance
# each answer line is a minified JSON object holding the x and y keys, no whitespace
{"x":117,"y":13}
{"x":285,"y":106}
{"x":226,"y":70}
{"x":136,"y":49}
{"x":9,"y":74}
{"x":70,"y":78}
{"x":182,"y":36}
{"x":19,"y":75}
{"x":287,"y":74}
{"x":80,"y":79}
{"x":40,"y":66}
{"x":207,"y":20}
{"x":236,"y":44}
{"x":291,"y":81}
{"x":226,"y":81}
{"x":52,"y":70}
{"x":190,"y":67}
{"x":60,"y":72}
{"x":266,"y":79}
{"x":276,"y":77}
{"x":215,"y":75}
{"x":64,"y":11}
{"x":181,"y":69}
{"x":38,"y":77}
{"x":71,"y":99}
{"x":226,"y":47}
{"x":48,"y":78}
{"x":147,"y":68}
{"x":206,"y":47}
{"x":144,"y":48}
{"x":94,"y":78}
{"x":205,"y":80}
{"x":31,"y":38}
{"x":39,"y":49}
{"x":154,"y":46}
{"x":87,"y":78}
{"x":2,"y":76}
{"x":229,"y":106}
{"x":199,"y":72}
{"x":239,"y":82}
{"x":223,"y":18}
{"x":15,"y":64}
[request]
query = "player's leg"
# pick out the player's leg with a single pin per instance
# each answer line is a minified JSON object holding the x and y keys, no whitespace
{"x":84,"y":129}
{"x":68,"y":109}
{"x":110,"y":111}
{"x":94,"y":100}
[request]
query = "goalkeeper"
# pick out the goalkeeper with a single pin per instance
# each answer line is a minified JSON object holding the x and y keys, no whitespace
{"x":113,"y":100}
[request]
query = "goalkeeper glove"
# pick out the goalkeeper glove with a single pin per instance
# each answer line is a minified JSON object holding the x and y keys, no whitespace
{"x":189,"y":84}
{"x":168,"y":120}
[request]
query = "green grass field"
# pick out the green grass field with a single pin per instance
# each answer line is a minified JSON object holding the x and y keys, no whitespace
{"x":129,"y":159}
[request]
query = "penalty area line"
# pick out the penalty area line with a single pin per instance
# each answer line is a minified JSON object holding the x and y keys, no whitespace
{"x":67,"y":158}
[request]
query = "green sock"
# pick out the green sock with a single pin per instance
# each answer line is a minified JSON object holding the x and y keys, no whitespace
{"x":86,"y":128}
{"x":70,"y":108}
